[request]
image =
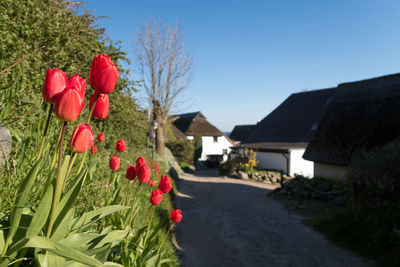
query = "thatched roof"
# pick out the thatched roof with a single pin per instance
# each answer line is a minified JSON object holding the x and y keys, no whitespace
{"x":361,"y":116}
{"x":195,"y":123}
{"x":293,"y":121}
{"x":241,"y":132}
{"x":177,"y":133}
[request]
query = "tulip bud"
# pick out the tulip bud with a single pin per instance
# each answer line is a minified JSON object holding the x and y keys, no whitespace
{"x":120,"y":146}
{"x":93,"y":150}
{"x":131,"y":173}
{"x":152,"y":183}
{"x":100,"y":137}
{"x":176,"y":215}
{"x":101,"y":107}
{"x":165,"y":184}
{"x":114,"y":163}
{"x":79,"y":83}
{"x":82,"y":138}
{"x":144,"y":174}
{"x":103,"y":74}
{"x":69,"y":104}
{"x":55,"y":83}
{"x":156,"y":197}
{"x":140,"y":162}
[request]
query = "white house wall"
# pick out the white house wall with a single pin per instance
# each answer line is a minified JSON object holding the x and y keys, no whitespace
{"x":329,"y":170}
{"x":298,"y":165}
{"x":209,"y":147}
{"x":271,"y":160}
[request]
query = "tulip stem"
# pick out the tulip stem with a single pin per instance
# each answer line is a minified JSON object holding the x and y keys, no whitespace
{"x":148,"y":227}
{"x":70,"y":164}
{"x":91,"y":110}
{"x":45,"y":132}
{"x":55,"y":150}
{"x":165,"y":238}
{"x":82,"y":161}
{"x":109,"y":187}
{"x":57,"y":191}
{"x":133,"y":204}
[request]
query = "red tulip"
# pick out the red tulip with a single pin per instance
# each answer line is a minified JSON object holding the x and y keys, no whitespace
{"x":131,"y":173}
{"x":156,"y":197}
{"x":114,"y":163}
{"x":152,"y":183}
{"x":158,"y":175}
{"x":69,"y":104}
{"x":157,"y":167}
{"x":103,"y":74}
{"x":55,"y":83}
{"x":82,"y":138}
{"x":165,"y":184}
{"x":93,"y":150}
{"x":140,"y":162}
{"x":144,"y":174}
{"x":79,"y":82}
{"x":176,"y":215}
{"x":120,"y":146}
{"x":101,"y":107}
{"x":100,"y":137}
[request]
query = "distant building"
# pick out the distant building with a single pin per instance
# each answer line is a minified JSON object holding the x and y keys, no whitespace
{"x":362,"y":115}
{"x":214,"y":142}
{"x":281,"y":137}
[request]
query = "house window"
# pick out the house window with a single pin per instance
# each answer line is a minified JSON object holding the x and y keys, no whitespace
{"x":215,"y":139}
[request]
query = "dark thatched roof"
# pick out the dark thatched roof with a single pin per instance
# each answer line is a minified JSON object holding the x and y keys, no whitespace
{"x":361,"y":116}
{"x":196,"y":124}
{"x":177,"y":133}
{"x":241,"y":132}
{"x":293,"y":121}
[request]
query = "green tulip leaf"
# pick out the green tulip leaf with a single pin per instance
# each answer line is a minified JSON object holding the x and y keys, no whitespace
{"x":55,"y":247}
{"x":48,"y":260}
{"x":69,"y":198}
{"x":23,"y":194}
{"x":94,"y":215}
{"x":42,"y":212}
{"x":62,"y":229}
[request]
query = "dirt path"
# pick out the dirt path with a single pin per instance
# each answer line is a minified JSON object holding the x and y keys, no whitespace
{"x":230,"y":222}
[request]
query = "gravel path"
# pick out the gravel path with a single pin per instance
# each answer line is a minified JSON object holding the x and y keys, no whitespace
{"x":230,"y":222}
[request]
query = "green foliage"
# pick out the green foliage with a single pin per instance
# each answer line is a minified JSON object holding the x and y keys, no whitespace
{"x":198,"y":147}
{"x":183,"y":150}
{"x":70,"y":40}
{"x":375,"y":186}
{"x":186,"y":167}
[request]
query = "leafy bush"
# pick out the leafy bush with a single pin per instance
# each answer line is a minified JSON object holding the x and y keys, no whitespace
{"x":183,"y":150}
{"x":375,"y":185}
{"x":186,"y":167}
{"x":198,"y":147}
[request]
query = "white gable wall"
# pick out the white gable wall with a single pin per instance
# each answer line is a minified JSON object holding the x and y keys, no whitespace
{"x":330,"y":170}
{"x":271,"y":160}
{"x":214,"y":148}
{"x":298,"y":165}
{"x":278,"y":161}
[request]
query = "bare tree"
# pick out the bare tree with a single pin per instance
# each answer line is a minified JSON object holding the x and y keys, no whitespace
{"x":165,"y":68}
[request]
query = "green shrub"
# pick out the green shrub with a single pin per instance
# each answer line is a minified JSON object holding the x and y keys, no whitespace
{"x":375,"y":185}
{"x":186,"y":167}
{"x":198,"y":147}
{"x":183,"y":150}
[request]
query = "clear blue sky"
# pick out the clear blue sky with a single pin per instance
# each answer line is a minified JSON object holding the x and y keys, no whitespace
{"x":251,"y":55}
